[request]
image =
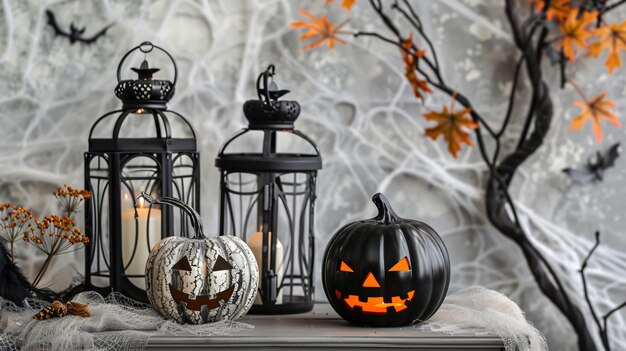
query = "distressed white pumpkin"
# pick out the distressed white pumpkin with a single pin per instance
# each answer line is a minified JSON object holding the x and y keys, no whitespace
{"x":200,"y":280}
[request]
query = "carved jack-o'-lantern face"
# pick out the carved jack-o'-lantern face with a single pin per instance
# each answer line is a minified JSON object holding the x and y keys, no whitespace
{"x":373,"y":303}
{"x":199,"y":301}
{"x":201,"y":280}
{"x":385,"y":271}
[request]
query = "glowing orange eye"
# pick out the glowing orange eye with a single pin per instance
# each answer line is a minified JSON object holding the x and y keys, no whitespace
{"x":345,"y":268}
{"x":402,"y":265}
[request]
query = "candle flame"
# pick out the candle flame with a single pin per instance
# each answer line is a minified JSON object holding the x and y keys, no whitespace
{"x":141,"y":202}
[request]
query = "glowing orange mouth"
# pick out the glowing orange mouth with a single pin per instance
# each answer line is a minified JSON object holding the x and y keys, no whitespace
{"x":376,"y":304}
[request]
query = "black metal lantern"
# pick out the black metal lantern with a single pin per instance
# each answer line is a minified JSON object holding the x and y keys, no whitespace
{"x":133,"y":150}
{"x":267,"y":198}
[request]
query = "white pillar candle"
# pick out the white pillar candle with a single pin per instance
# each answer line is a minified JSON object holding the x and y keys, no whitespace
{"x":256,"y":245}
{"x":146,"y":226}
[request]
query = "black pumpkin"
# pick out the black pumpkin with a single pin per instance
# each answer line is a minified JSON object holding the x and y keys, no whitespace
{"x":386,"y":271}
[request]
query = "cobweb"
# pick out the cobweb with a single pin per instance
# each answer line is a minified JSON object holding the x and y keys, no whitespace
{"x":481,"y":311}
{"x":116,"y":323}
{"x":356,"y":105}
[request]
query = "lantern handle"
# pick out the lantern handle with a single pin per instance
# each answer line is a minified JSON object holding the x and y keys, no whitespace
{"x":196,"y":221}
{"x":147,"y":47}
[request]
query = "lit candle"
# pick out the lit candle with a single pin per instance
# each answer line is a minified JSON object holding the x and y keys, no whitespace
{"x":145,"y":226}
{"x":256,"y":245}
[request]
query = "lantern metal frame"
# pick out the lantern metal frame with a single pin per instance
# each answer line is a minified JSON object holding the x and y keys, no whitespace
{"x":283,"y":183}
{"x":174,"y":171}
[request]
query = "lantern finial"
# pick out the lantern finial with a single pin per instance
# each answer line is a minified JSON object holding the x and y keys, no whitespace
{"x":144,"y":71}
{"x":268,"y":112}
{"x":269,"y":91}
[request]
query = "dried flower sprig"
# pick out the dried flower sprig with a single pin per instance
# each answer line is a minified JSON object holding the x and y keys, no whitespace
{"x":71,"y":199}
{"x":54,"y":236}
{"x":13,"y":221}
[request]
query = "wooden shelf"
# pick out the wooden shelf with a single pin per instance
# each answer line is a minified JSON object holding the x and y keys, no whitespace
{"x":323,"y":329}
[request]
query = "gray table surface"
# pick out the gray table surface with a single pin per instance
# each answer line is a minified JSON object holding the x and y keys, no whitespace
{"x":323,"y":329}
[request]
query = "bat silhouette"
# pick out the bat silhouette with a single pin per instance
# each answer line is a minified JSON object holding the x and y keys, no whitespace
{"x":596,"y":166}
{"x":75,"y":34}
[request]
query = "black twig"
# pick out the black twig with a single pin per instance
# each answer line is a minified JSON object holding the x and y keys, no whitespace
{"x":606,"y":318}
{"x":512,"y":95}
{"x":533,"y":102}
{"x":586,"y":290}
{"x":381,"y":37}
{"x":414,"y":19}
{"x":562,"y":69}
{"x":603,"y":329}
{"x":413,"y":13}
{"x":613,"y":6}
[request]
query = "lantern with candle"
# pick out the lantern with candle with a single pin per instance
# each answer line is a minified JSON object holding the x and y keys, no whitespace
{"x":268,"y":174}
{"x":133,"y":150}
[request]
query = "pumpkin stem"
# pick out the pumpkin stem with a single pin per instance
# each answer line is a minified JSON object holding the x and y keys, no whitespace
{"x":196,"y":221}
{"x":386,"y":214}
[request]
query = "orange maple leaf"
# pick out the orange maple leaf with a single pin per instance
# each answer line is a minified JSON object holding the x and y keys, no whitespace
{"x":452,"y":125}
{"x":576,"y":30}
{"x":409,"y":55}
{"x":558,"y":9}
{"x":319,"y":27}
{"x":611,"y":37}
{"x":345,"y":4}
{"x":596,"y":110}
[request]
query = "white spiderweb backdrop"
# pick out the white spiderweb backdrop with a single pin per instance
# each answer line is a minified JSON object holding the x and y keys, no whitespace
{"x":356,"y":105}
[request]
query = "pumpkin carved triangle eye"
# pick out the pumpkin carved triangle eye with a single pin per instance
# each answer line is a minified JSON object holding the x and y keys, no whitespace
{"x":402,"y":265}
{"x":182,"y":265}
{"x":345,"y":268}
{"x":222,"y":264}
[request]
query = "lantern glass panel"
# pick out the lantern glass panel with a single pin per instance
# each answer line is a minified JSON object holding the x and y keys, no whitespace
{"x":291,"y":222}
{"x":139,"y":174}
{"x":97,"y":208}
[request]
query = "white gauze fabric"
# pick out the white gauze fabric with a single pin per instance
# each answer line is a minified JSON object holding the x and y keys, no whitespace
{"x":479,"y":310}
{"x":117,"y":323}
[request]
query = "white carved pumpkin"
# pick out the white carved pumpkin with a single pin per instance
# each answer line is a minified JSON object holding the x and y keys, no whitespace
{"x":199,"y":280}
